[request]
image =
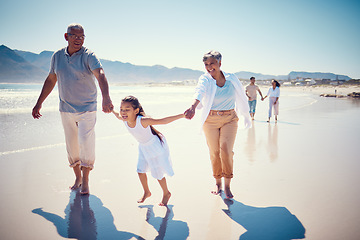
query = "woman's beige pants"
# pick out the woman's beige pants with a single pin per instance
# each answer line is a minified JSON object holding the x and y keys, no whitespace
{"x":220,"y":133}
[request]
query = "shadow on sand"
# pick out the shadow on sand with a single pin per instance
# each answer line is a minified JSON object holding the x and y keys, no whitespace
{"x":268,"y":223}
{"x":166,"y":226}
{"x":85,"y":218}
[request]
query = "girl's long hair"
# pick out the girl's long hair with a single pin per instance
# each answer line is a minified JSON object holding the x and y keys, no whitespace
{"x":136,"y":104}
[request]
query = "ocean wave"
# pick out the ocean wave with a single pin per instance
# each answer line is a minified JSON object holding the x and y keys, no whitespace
{"x":306,"y":104}
{"x":28,"y":110}
{"x":32,"y":149}
{"x":53,"y":145}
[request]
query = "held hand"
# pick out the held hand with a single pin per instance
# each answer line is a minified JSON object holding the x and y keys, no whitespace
{"x":36,"y":112}
{"x":189,"y":113}
{"x":107,"y":105}
{"x":186,"y":113}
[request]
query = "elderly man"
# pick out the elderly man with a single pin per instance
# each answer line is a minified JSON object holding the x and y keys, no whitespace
{"x":74,"y":68}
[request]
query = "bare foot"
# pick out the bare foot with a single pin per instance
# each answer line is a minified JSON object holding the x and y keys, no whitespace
{"x":77,"y":184}
{"x":146,"y":195}
{"x":228,"y":193}
{"x":165,"y":199}
{"x":84,"y":188}
{"x":217,"y":191}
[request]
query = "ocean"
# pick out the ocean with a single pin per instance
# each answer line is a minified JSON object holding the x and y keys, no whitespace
{"x":20,"y":132}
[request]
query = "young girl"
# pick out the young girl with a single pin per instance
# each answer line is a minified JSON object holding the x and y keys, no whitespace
{"x":153,"y":150}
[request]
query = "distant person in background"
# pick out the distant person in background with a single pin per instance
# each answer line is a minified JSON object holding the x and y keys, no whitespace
{"x":74,"y":68}
{"x":251,"y":92}
{"x":273,"y":94}
{"x":223,"y":98}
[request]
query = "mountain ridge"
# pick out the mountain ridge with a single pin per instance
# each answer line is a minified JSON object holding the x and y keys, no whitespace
{"x":14,"y":67}
{"x":24,"y":66}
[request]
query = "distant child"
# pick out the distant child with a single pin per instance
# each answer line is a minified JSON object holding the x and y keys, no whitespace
{"x":251,"y":93}
{"x":153,"y":150}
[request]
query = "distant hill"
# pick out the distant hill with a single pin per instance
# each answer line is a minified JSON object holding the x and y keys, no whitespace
{"x":126,"y":72}
{"x":14,"y":68}
{"x":119,"y":72}
{"x":259,"y":76}
{"x":22,"y":66}
{"x":319,"y":75}
{"x":292,"y":75}
{"x":41,"y":60}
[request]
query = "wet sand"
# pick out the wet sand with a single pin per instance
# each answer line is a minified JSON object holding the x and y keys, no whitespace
{"x":296,"y":179}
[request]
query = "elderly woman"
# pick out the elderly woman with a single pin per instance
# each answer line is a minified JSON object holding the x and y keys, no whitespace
{"x":273,"y":94}
{"x":223,"y":98}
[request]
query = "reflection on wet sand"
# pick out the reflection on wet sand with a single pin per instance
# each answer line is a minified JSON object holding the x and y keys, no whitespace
{"x":250,"y":145}
{"x":86,"y":218}
{"x":264,"y":223}
{"x":273,"y":142}
{"x":166,"y":226}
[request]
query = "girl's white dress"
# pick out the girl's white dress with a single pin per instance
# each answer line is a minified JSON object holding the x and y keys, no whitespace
{"x":154,"y":156}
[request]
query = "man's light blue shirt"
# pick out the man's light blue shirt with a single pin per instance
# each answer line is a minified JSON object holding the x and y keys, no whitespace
{"x":76,"y":82}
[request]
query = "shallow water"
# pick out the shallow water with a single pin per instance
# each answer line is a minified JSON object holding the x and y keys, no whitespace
{"x":19,"y":131}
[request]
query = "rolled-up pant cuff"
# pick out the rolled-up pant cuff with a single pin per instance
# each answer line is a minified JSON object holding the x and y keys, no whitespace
{"x":223,"y":175}
{"x":72,"y":165}
{"x":228,"y":175}
{"x":87,"y":165}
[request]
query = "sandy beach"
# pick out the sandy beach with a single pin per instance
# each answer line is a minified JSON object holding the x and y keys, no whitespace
{"x":296,"y":179}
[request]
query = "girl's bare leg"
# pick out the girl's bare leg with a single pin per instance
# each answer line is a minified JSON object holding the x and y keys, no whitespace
{"x":85,"y":180}
{"x":218,"y":187}
{"x":166,"y":193}
{"x":78,"y":177}
{"x":228,"y":193}
{"x":144,"y":183}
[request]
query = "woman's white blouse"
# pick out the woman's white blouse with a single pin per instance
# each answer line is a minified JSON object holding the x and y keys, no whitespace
{"x":205,"y":93}
{"x":273,"y":92}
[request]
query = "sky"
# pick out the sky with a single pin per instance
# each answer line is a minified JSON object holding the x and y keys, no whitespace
{"x":262,"y":36}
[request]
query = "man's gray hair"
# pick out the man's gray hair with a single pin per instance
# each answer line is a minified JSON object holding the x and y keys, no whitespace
{"x":213,"y":54}
{"x":76,"y":26}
